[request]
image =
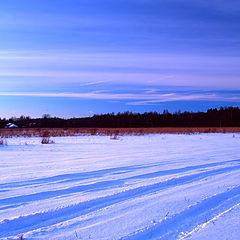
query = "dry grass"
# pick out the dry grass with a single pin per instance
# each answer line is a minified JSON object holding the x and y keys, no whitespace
{"x":39,"y":132}
{"x":46,"y":140}
{"x":46,"y":137}
{"x":3,"y":141}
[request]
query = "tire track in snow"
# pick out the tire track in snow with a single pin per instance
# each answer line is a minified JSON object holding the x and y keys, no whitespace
{"x":71,"y":177}
{"x":27,"y":223}
{"x":103,"y":185}
{"x":177,"y":225}
{"x":201,"y":226}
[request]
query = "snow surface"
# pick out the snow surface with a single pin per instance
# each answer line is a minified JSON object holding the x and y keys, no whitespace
{"x":136,"y":187}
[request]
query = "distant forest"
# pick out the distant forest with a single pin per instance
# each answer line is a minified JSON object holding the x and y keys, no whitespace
{"x":223,"y":117}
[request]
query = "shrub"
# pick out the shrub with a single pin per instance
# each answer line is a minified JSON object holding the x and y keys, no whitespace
{"x":46,"y":138}
{"x":3,"y":142}
{"x":115,"y":136}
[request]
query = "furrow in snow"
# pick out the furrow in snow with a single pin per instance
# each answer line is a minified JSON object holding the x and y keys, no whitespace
{"x":10,"y":227}
{"x":171,"y":228}
{"x":71,"y":177}
{"x":103,"y":185}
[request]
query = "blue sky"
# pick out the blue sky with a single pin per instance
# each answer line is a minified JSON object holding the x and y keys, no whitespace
{"x":79,"y":57}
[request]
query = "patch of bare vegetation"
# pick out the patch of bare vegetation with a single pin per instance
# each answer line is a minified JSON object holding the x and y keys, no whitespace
{"x":3,"y":142}
{"x":45,"y":138}
{"x":20,"y":237}
{"x":115,"y":135}
{"x":46,"y":133}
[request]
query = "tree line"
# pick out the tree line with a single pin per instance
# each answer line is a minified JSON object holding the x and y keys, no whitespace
{"x":222,"y":117}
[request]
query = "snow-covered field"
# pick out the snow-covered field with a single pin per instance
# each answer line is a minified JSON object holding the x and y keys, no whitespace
{"x":136,"y":187}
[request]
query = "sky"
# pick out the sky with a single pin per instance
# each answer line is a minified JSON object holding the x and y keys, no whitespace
{"x":75,"y":58}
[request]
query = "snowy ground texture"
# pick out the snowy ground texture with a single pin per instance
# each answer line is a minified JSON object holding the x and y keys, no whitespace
{"x":137,"y":187}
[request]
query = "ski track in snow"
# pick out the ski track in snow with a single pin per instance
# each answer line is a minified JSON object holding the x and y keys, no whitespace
{"x":139,"y":187}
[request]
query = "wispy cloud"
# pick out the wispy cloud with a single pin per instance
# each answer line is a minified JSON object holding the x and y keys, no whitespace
{"x":89,"y":95}
{"x":117,"y":59}
{"x":129,"y":68}
{"x":144,"y":98}
{"x":190,"y":97}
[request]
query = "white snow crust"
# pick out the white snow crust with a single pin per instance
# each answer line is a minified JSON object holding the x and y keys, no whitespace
{"x":165,"y":186}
